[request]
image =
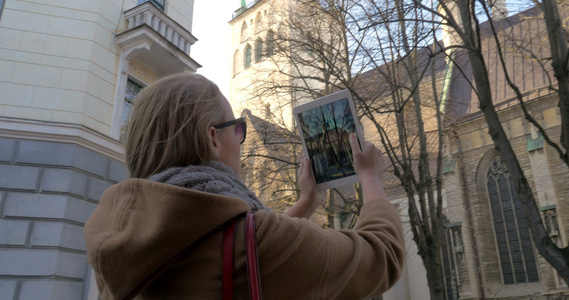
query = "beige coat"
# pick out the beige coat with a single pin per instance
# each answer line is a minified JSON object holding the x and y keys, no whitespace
{"x":150,"y":240}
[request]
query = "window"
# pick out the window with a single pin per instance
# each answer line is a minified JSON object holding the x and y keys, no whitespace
{"x":258,"y":50}
{"x":132,"y":88}
{"x":247,"y":63}
{"x":244,"y":35}
{"x":551,"y":224}
{"x":236,"y":62}
{"x":515,"y":248}
{"x":160,"y":4}
{"x":452,"y":251}
{"x":270,"y":43}
{"x":258,"y":23}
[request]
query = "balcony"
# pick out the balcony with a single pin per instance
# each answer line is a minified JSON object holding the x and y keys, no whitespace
{"x":161,"y":44}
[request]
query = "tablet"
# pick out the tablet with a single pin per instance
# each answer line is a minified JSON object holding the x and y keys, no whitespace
{"x":325,"y":125}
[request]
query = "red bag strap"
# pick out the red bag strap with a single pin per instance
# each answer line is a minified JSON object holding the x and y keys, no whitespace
{"x":251,"y":258}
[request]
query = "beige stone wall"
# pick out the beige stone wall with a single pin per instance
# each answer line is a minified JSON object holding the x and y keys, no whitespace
{"x":48,"y":53}
{"x":59,"y":60}
{"x":546,"y":174}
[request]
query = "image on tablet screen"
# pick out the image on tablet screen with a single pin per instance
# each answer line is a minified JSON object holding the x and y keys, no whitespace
{"x":326,"y":130}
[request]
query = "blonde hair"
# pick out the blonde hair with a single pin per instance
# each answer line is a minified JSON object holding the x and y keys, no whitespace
{"x":169,"y":124}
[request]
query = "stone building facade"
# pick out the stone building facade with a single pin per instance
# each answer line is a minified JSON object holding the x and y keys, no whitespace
{"x":68,"y":73}
{"x":490,"y":249}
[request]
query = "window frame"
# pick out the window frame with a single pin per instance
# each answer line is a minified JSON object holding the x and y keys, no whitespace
{"x":506,"y":259}
{"x":129,"y":82}
{"x":452,"y":252}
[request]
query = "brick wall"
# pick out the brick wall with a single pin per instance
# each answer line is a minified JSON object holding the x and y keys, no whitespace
{"x":47,"y":192}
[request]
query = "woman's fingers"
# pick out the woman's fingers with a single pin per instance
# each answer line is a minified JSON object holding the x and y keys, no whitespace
{"x":354,"y":144}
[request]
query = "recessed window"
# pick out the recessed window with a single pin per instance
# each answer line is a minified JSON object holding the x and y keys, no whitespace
{"x":258,"y":50}
{"x":258,"y":23}
{"x":515,"y":249}
{"x":132,"y":89}
{"x":452,"y":253}
{"x":247,"y":63}
{"x":244,"y":35}
{"x":270,"y":43}
{"x":236,"y":62}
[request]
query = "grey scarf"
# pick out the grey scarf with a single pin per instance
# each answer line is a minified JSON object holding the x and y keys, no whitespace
{"x":212,"y":177}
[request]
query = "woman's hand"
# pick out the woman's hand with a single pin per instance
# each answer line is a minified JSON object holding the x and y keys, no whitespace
{"x":310,"y":196}
{"x":369,"y":165}
{"x":368,"y":161}
{"x":306,"y":181}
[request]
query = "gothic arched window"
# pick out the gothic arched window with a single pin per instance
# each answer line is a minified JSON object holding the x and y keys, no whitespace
{"x":270,"y":43}
{"x":236,"y":62}
{"x":258,"y":23}
{"x":247,"y":63}
{"x":258,"y":50}
{"x":515,"y":248}
{"x":244,"y":35}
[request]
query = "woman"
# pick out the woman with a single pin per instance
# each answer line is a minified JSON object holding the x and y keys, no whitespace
{"x":159,"y":234}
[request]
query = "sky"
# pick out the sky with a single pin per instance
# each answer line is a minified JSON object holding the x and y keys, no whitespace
{"x":212,"y":50}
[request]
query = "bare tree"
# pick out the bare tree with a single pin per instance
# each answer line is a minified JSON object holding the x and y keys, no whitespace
{"x":393,"y":69}
{"x":467,"y":27}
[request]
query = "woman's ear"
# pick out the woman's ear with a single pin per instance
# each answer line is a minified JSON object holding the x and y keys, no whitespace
{"x":213,"y":138}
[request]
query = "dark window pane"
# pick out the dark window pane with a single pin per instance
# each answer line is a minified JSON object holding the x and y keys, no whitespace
{"x":270,"y":43}
{"x":514,"y":244}
{"x":132,"y":88}
{"x":258,"y":50}
{"x":247,"y":56}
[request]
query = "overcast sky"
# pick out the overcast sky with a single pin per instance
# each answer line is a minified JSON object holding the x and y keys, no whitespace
{"x":212,"y":50}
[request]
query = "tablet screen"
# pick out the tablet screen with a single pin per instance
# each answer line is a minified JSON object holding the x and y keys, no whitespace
{"x":326,"y":131}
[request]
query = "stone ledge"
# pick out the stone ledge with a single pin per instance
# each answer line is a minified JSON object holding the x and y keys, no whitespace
{"x":22,"y":129}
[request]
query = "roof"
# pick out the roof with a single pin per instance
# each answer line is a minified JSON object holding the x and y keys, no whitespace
{"x":526,"y":53}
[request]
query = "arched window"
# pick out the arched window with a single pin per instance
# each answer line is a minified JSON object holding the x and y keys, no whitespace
{"x":244,"y":35}
{"x":515,"y":248}
{"x":258,"y":23}
{"x":236,"y":62}
{"x":270,"y":43}
{"x":258,"y":50}
{"x":247,"y":63}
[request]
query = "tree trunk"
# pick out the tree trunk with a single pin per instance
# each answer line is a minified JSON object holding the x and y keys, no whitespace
{"x":432,"y":258}
{"x":559,"y":57}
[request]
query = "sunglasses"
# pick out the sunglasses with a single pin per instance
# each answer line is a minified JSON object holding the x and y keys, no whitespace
{"x":240,"y":128}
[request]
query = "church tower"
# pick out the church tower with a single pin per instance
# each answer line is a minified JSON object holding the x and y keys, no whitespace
{"x":256,"y":61}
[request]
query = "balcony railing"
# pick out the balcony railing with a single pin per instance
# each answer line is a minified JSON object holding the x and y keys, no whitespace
{"x":149,"y":15}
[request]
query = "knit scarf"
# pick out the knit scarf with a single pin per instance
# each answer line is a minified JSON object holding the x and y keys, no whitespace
{"x":212,"y":177}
